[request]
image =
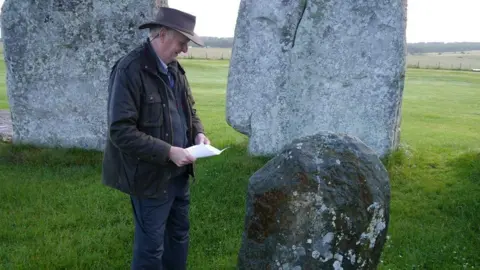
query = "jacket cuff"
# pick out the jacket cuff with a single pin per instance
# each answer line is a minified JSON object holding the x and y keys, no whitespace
{"x":160,"y":152}
{"x":197,"y":129}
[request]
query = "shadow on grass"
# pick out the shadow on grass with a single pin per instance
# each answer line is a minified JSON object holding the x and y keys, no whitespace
{"x":467,"y":167}
{"x":461,"y":198}
{"x":31,"y":155}
{"x":235,"y":157}
{"x":233,"y":163}
{"x":434,"y":210}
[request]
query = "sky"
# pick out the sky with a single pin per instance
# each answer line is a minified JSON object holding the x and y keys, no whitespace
{"x":427,"y":20}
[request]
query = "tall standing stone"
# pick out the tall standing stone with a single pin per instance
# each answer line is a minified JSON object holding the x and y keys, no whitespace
{"x":161,"y":3}
{"x":58,"y":56}
{"x":302,"y":66}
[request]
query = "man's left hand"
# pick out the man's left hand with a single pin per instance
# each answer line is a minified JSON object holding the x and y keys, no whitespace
{"x":201,"y":138}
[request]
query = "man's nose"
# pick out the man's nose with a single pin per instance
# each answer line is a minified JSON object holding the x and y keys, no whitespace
{"x":185,"y":49}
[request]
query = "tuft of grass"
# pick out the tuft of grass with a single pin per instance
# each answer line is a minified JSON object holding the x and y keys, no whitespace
{"x":54,"y":212}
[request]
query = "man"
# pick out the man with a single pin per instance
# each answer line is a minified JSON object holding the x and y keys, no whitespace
{"x":151,"y":120}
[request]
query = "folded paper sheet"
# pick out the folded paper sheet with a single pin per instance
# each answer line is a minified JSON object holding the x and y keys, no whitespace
{"x":204,"y":150}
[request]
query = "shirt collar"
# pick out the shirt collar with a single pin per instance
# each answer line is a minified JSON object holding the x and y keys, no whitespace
{"x":162,"y":66}
{"x":165,"y":67}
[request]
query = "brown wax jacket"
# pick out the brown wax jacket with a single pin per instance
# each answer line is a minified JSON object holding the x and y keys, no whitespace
{"x":140,"y":130}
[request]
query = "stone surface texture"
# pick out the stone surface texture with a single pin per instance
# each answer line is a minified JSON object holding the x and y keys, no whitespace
{"x":321,"y":203}
{"x":6,"y":131}
{"x":304,"y":66}
{"x":58,"y":56}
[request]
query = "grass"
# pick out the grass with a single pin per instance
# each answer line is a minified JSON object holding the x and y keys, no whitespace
{"x":55,"y":214}
{"x":435,"y":179}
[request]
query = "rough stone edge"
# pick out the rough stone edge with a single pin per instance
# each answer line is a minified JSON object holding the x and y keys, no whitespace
{"x":6,"y":136}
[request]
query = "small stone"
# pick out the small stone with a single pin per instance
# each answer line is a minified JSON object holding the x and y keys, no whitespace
{"x":338,"y":257}
{"x":281,"y":209}
{"x":337,"y":265}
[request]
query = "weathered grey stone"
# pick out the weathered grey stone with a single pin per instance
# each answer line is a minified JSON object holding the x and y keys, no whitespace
{"x":321,"y":203}
{"x":58,"y":56}
{"x":302,"y":66}
{"x":5,"y":126}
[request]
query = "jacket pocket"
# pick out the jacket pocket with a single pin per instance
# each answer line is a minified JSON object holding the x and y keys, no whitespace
{"x":129,"y":169}
{"x":149,"y":181}
{"x":152,"y":111}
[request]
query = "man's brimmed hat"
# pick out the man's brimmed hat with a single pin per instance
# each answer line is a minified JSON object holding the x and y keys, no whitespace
{"x":177,"y":20}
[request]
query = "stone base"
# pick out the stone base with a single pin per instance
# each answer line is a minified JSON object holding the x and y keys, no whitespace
{"x":6,"y":130}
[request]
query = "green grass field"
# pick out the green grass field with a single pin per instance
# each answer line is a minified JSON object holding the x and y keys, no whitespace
{"x":55,"y":214}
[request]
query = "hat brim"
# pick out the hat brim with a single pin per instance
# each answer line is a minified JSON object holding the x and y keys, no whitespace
{"x":195,"y":38}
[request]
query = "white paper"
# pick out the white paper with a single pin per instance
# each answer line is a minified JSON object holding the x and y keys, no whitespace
{"x":204,"y":150}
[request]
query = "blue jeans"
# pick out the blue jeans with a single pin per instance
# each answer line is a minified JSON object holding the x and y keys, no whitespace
{"x":162,"y":229}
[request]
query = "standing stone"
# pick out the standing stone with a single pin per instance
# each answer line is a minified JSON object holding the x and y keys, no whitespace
{"x":58,"y":56}
{"x":321,"y":203}
{"x":161,"y":3}
{"x":302,"y":66}
{"x":5,"y":126}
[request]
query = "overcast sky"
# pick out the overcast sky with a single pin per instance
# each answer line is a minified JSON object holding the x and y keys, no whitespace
{"x":428,"y":20}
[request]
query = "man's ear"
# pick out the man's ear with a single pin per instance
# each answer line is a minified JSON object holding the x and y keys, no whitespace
{"x":165,"y":32}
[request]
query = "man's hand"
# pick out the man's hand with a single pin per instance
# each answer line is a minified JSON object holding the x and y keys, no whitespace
{"x":201,"y":138}
{"x":180,"y":156}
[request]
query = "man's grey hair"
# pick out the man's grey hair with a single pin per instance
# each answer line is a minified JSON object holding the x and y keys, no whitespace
{"x":154,"y":31}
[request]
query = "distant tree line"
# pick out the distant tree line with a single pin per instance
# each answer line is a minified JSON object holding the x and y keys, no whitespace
{"x":440,"y":47}
{"x":412,"y":48}
{"x":217,"y":42}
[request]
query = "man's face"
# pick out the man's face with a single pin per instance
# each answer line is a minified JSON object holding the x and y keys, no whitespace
{"x":171,"y":44}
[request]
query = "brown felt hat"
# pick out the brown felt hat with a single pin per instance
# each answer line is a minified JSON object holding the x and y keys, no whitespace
{"x":177,"y":20}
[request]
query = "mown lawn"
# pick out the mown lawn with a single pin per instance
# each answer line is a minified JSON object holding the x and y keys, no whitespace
{"x":55,"y":214}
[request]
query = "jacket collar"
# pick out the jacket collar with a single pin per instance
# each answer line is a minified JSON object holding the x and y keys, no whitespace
{"x":151,"y":61}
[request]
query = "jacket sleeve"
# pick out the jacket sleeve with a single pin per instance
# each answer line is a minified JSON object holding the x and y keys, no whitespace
{"x":196,"y":122}
{"x":123,"y":114}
